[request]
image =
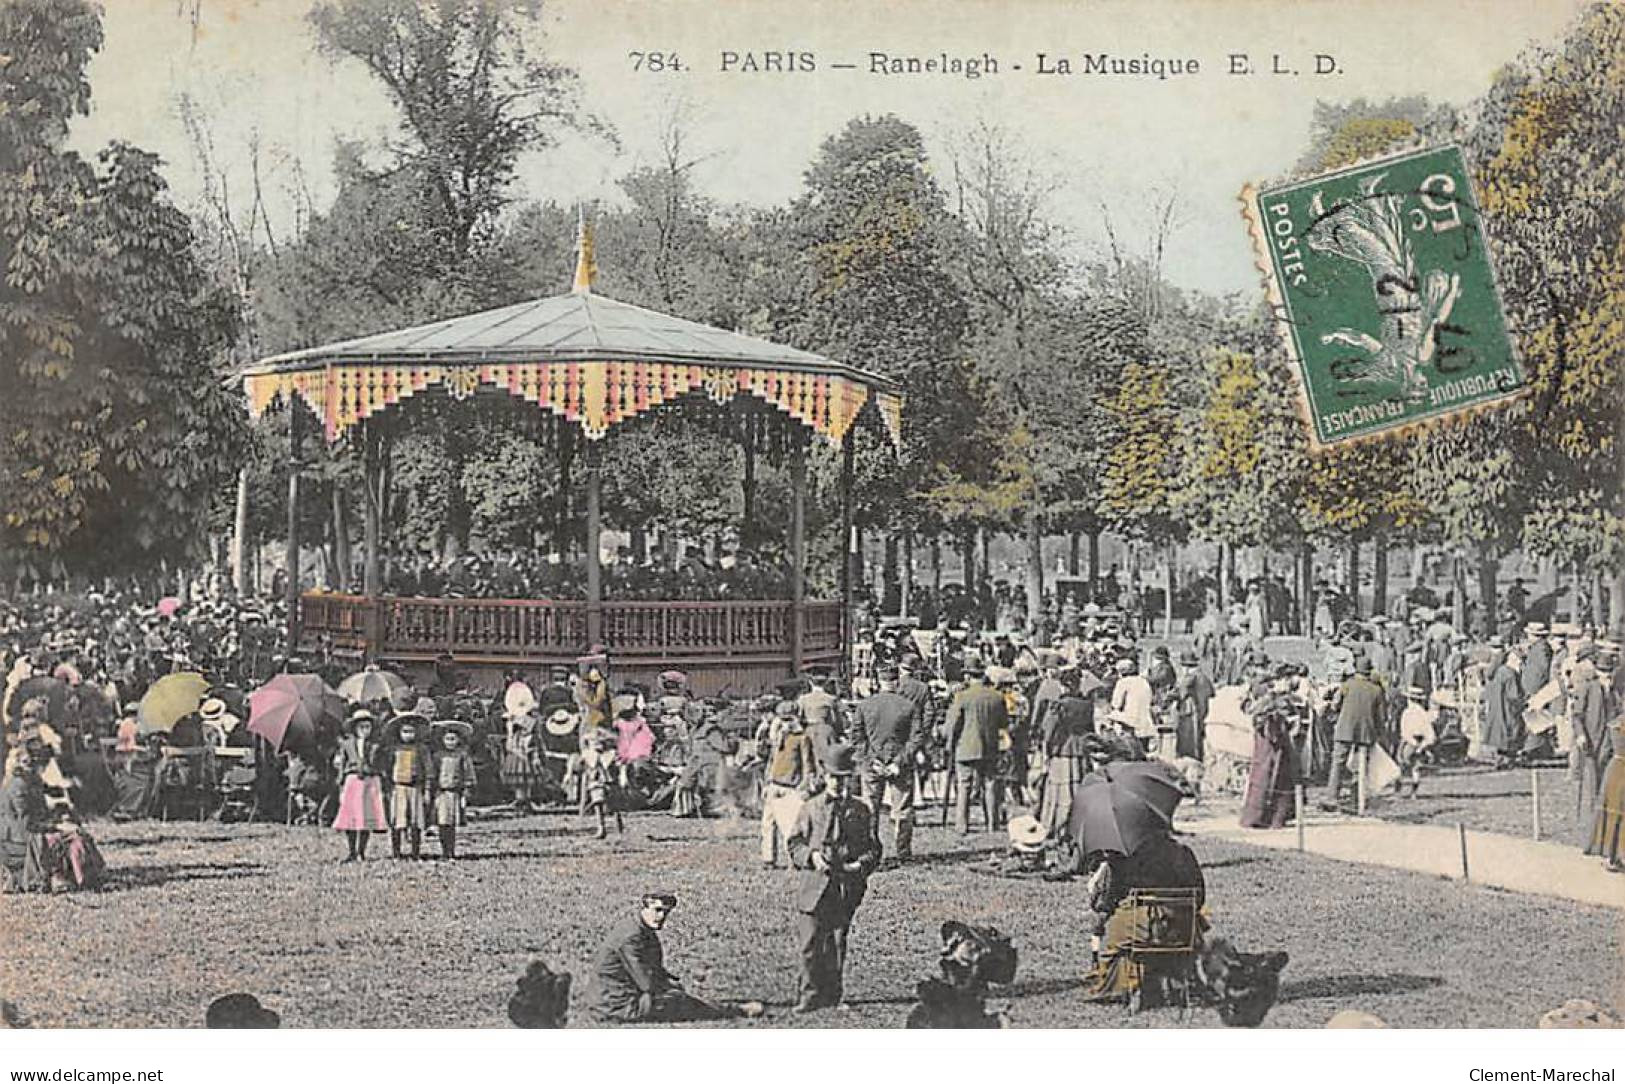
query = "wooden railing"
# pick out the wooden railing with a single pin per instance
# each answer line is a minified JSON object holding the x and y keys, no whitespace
{"x":531,"y":630}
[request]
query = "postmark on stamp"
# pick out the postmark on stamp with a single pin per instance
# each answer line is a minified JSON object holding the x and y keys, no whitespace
{"x":1382,"y":281}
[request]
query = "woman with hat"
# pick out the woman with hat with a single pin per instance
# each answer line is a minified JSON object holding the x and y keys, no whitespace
{"x":453,"y":778}
{"x":408,"y":781}
{"x":1417,"y":734}
{"x":361,"y":793}
{"x":1608,"y":831}
{"x":1273,"y":777}
{"x":520,"y":756}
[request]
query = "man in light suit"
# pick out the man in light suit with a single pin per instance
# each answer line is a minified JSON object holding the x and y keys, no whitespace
{"x":835,"y":847}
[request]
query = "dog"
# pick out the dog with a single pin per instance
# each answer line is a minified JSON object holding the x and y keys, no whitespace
{"x":1242,"y":985}
{"x":542,"y":999}
{"x":973,"y":957}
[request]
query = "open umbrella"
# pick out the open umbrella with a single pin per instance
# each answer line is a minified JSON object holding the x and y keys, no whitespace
{"x":49,"y":689}
{"x":1162,"y":787}
{"x":371,"y":684}
{"x":168,"y":606}
{"x":291,"y":709}
{"x":1107,"y":816}
{"x":170,"y":699}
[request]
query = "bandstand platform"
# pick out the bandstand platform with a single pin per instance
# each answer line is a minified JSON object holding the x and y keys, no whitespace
{"x":736,"y":647}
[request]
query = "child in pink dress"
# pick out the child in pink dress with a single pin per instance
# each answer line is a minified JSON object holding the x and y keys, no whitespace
{"x":361,"y":794}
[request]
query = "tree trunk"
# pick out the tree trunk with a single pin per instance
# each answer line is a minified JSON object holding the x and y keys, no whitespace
{"x":1073,"y":555}
{"x":1306,"y":598}
{"x":936,"y":567}
{"x":1616,"y":606}
{"x":1226,"y":573}
{"x":341,"y":537}
{"x":906,"y":598}
{"x":561,"y":501}
{"x":1351,"y":576}
{"x":1489,"y":567}
{"x":1379,"y":573}
{"x":889,"y":558}
{"x":967,"y":556}
{"x":747,"y":528}
{"x":1094,"y":564}
{"x":1035,"y":574}
{"x":1168,"y":596}
{"x":1458,"y":591}
{"x":1597,"y":591}
{"x":1230,"y":569}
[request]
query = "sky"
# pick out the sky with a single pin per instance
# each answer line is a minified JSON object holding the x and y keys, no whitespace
{"x":1102,"y":144}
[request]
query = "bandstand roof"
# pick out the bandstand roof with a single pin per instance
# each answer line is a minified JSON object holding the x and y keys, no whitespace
{"x":582,"y":356}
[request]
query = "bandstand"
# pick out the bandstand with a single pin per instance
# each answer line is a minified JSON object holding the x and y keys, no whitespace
{"x":590,"y":365}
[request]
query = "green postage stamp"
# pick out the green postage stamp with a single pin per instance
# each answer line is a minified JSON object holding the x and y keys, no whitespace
{"x":1381,"y":277}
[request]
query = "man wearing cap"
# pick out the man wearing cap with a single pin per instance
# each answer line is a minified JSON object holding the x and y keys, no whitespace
{"x":790,"y":771}
{"x":835,"y":846}
{"x":1359,"y":720}
{"x":975,"y":720}
{"x":630,"y":983}
{"x":888,"y":734}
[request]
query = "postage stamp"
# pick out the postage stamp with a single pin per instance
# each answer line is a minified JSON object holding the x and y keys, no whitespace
{"x":1383,"y":284}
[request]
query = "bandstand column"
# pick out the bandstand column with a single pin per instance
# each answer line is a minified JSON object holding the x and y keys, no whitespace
{"x":372,"y":502}
{"x":239,"y":538}
{"x":595,"y":571}
{"x":847,"y":446}
{"x":798,"y":553}
{"x":372,"y":574}
{"x":292,"y":560}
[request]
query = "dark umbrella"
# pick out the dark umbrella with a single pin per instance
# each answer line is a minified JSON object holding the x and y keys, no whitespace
{"x":1156,"y":781}
{"x":52,"y":690}
{"x":290,"y":710}
{"x":1107,"y":816}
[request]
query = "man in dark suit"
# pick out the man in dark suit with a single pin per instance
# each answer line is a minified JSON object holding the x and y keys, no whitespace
{"x":835,"y":847}
{"x":887,"y":735}
{"x":630,"y":983}
{"x":976,"y":718}
{"x":1359,"y":720}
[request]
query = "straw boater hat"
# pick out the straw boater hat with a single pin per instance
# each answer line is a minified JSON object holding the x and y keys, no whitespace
{"x":1535,"y":629}
{"x":1026,"y":834}
{"x":561,"y":722}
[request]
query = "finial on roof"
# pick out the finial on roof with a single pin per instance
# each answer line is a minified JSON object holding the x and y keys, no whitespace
{"x":586,"y":269}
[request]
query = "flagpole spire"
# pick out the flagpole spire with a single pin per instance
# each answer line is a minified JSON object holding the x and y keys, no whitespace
{"x":586,"y":268}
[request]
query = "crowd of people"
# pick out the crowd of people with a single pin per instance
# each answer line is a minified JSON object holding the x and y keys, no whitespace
{"x":1013,"y":733}
{"x":740,"y":574}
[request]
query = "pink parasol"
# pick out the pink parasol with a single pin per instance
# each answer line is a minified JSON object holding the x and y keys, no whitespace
{"x":290,"y":710}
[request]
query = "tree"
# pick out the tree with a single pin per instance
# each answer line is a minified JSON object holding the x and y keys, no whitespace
{"x":471,"y":95}
{"x":1551,"y":180}
{"x":872,"y":287}
{"x":121,"y":432}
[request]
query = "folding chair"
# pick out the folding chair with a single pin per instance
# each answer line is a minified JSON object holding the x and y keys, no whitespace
{"x":1163,"y":933}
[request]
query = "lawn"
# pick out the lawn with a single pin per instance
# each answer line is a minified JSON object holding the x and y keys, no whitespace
{"x":1486,"y":800}
{"x":196,"y":911}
